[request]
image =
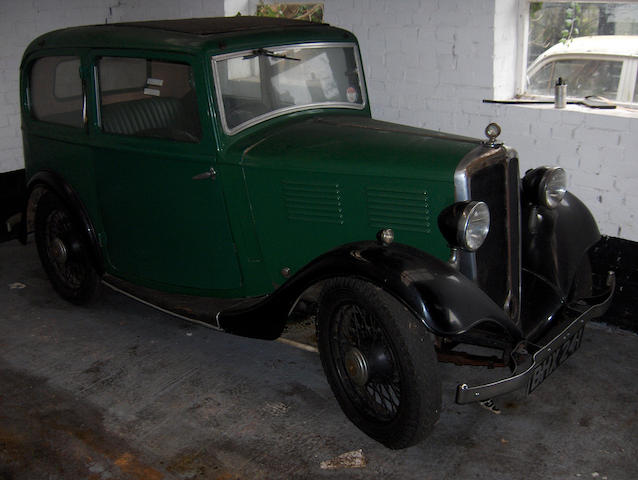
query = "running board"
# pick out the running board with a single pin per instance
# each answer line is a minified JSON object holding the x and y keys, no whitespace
{"x":201,"y":310}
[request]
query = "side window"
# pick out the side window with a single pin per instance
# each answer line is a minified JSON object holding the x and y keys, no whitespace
{"x":583,"y":76}
{"x":55,"y":91}
{"x":148,"y":98}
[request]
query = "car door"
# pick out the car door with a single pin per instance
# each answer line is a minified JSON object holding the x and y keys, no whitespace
{"x":162,"y":209}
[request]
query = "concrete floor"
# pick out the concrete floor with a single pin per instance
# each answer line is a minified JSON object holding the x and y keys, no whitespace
{"x":121,"y":391}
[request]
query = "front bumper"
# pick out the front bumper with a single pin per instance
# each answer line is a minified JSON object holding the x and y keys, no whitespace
{"x":547,"y":358}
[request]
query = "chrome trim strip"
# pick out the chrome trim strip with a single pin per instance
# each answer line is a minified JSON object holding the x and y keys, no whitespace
{"x":299,"y":345}
{"x":467,"y":394}
{"x":483,"y":155}
{"x":467,"y":260}
{"x":283,"y":111}
{"x":513,"y":308}
{"x":156,"y":307}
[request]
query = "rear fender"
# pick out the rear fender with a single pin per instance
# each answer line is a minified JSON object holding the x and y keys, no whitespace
{"x":47,"y":180}
{"x":443,"y":299}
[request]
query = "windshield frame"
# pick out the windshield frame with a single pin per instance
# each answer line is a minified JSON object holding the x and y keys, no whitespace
{"x":295,"y":108}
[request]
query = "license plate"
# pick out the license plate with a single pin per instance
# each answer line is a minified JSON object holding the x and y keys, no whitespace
{"x":555,"y":359}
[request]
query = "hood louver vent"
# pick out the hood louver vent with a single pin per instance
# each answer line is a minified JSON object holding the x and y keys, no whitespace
{"x":313,"y":202}
{"x":399,"y":209}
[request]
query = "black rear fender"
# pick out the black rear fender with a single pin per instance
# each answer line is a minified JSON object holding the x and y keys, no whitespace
{"x":49,"y":181}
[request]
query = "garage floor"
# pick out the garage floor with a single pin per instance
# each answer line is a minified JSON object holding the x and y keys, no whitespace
{"x":121,"y":391}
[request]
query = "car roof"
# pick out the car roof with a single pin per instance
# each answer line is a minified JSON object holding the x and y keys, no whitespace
{"x":191,"y":35}
{"x":625,"y":45}
{"x":217,"y":25}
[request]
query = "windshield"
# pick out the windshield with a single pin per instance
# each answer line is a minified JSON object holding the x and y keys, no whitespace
{"x":258,"y":84}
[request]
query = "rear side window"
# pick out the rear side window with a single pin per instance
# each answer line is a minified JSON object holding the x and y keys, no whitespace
{"x":55,"y":91}
{"x":148,"y":98}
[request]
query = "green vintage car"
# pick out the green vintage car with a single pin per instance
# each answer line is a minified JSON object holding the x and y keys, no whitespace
{"x":223,"y":168}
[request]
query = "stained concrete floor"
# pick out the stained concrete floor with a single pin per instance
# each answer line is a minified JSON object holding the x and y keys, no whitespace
{"x":120,"y":391}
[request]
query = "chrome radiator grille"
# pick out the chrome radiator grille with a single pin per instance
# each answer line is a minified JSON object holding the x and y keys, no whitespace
{"x":493,"y":178}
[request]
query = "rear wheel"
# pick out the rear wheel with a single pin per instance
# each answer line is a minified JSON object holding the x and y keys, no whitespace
{"x":379,"y":361}
{"x":63,"y":251}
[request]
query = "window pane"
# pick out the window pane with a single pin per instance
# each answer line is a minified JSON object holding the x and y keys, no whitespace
{"x":120,"y":74}
{"x":552,"y":23}
{"x":270,"y":80}
{"x":583,"y":77}
{"x":148,"y":98}
{"x":55,"y":90}
{"x":67,"y":74}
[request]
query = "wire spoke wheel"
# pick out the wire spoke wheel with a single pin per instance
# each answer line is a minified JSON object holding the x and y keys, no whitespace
{"x":365,"y":362}
{"x":63,"y":253}
{"x":59,"y":247}
{"x":379,"y":361}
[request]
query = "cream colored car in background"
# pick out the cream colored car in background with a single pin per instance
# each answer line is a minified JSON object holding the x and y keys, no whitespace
{"x":603,"y":66}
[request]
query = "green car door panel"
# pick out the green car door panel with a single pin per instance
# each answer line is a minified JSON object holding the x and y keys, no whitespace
{"x":163,"y":228}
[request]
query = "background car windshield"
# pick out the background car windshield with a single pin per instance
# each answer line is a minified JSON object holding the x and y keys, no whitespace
{"x":584,"y":77}
{"x":266,"y":82}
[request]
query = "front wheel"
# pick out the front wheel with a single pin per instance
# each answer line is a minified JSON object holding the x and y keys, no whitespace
{"x":379,"y":361}
{"x":63,"y":251}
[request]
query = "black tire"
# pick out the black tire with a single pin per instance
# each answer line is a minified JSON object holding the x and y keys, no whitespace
{"x":64,"y":252}
{"x":380,"y":362}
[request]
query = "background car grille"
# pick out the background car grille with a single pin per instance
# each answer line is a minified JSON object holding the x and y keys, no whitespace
{"x":496,"y":182}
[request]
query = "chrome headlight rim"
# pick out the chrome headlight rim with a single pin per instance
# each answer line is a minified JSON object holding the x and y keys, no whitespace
{"x":473,"y":226}
{"x":553,"y":186}
{"x":465,"y":225}
{"x":545,"y":186}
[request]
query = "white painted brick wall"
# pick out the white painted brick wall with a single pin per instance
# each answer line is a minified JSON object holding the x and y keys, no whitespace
{"x":465,"y":51}
{"x":428,"y":63}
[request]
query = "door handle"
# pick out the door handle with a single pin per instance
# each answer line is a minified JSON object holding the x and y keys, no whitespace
{"x":211,"y":173}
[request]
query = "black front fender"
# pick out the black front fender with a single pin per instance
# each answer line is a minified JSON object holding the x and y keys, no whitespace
{"x":555,"y":241}
{"x":442,"y":298}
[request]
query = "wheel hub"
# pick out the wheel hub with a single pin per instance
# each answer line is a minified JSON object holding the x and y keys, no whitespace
{"x":357,"y":366}
{"x":58,"y":251}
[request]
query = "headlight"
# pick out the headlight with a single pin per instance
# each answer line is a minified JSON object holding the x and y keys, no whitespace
{"x":474,"y":225}
{"x":465,"y":224}
{"x":545,"y":186}
{"x":553,"y":187}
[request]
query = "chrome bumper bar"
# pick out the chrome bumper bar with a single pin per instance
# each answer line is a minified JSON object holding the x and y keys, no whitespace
{"x":468,"y":394}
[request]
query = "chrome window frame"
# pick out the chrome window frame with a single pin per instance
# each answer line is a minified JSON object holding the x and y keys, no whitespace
{"x":286,"y":110}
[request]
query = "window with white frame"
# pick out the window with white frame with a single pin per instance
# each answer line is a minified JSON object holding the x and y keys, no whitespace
{"x":591,"y":46}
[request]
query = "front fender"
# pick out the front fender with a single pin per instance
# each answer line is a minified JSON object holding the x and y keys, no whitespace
{"x":555,"y":241}
{"x":446,"y":301}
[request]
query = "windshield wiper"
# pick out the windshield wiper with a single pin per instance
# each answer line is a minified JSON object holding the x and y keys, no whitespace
{"x":267,"y":53}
